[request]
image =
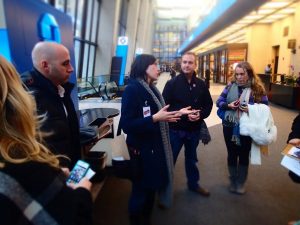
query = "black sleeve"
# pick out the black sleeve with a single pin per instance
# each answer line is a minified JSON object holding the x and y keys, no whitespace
{"x":295,"y":133}
{"x":167,"y":92}
{"x":294,"y":177}
{"x":84,"y":207}
{"x":208,"y":103}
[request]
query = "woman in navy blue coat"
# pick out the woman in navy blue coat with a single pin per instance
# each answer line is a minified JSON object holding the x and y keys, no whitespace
{"x":144,"y":118}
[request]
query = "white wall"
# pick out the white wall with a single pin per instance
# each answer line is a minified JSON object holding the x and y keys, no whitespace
{"x":131,"y":31}
{"x":145,"y":29}
{"x":139,"y":28}
{"x":109,"y":15}
{"x":2,"y":17}
{"x":139,"y":31}
{"x":262,"y":39}
{"x":278,"y":39}
{"x":296,"y":32}
{"x":259,"y":52}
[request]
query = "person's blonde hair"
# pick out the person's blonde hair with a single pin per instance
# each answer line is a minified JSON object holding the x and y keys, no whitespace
{"x":20,"y":135}
{"x":192,"y":54}
{"x":257,"y":87}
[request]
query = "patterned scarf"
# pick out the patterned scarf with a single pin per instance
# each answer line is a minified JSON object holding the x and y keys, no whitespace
{"x":165,"y":195}
{"x":232,"y":117}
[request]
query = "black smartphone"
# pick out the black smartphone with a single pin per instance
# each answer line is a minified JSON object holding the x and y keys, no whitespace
{"x":78,"y":172}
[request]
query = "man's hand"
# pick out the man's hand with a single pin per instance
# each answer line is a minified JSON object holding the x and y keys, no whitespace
{"x":194,"y":116}
{"x":164,"y":115}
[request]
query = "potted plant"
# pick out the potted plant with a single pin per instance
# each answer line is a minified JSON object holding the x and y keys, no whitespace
{"x":290,"y":79}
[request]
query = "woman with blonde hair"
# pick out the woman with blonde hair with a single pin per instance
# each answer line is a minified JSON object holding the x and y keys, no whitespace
{"x":245,"y":88}
{"x":33,"y":187}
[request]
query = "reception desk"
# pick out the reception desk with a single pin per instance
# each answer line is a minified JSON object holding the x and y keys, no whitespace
{"x":285,"y":95}
{"x":97,"y":116}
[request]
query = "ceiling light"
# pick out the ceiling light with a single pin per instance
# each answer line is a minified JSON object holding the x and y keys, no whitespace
{"x":276,"y":16}
{"x":275,"y":5}
{"x":252,"y":17}
{"x":264,"y":11}
{"x":288,"y":10}
{"x":266,"y":21}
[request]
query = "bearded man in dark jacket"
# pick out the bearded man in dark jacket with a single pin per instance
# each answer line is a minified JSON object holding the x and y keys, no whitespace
{"x":48,"y":82}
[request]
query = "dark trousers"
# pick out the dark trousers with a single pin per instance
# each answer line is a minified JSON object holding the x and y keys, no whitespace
{"x":190,"y":141}
{"x":141,"y":201}
{"x":237,"y":155}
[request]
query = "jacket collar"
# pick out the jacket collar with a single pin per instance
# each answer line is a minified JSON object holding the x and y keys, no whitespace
{"x":42,"y":81}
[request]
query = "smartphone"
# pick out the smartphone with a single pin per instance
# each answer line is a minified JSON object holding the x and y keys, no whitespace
{"x":78,"y":172}
{"x":237,"y":102}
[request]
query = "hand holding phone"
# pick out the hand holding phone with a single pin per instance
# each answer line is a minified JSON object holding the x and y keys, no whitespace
{"x":83,"y":183}
{"x":236,"y":103}
{"x":78,"y":172}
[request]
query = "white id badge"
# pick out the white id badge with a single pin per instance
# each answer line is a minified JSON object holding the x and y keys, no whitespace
{"x":146,"y":111}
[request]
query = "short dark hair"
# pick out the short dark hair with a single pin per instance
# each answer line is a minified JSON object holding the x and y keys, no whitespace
{"x":140,"y":65}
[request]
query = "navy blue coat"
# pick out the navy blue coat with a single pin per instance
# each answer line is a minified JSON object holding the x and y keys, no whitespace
{"x":143,"y":134}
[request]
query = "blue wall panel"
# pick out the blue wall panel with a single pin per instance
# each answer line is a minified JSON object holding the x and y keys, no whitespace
{"x":22,"y":20}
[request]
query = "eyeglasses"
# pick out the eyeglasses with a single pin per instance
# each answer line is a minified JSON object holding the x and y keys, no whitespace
{"x":241,"y":74}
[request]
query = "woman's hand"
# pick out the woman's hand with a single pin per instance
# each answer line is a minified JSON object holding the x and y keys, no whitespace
{"x":83,"y":183}
{"x":295,"y":142}
{"x":66,"y":171}
{"x":234,"y":105}
{"x":243,"y":108}
{"x":164,"y":115}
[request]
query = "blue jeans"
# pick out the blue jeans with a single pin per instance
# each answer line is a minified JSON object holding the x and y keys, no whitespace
{"x":190,"y":140}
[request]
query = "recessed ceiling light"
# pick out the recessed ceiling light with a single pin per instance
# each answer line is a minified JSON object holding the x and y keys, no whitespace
{"x":276,"y":16}
{"x":276,"y":5}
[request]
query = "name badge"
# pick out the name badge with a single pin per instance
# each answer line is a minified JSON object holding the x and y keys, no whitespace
{"x":146,"y":111}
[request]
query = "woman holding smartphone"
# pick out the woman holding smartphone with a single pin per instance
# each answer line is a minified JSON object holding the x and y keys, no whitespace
{"x":33,"y":187}
{"x":245,"y":88}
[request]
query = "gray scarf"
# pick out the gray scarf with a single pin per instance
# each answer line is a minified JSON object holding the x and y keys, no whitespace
{"x":165,"y":194}
{"x":232,"y":116}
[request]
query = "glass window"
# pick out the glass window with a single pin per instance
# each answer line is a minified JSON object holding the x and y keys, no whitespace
{"x":95,"y":24}
{"x":71,"y":10}
{"x":77,"y":53}
{"x":79,"y":19}
{"x":89,"y":20}
{"x":123,"y":18}
{"x":85,"y":16}
{"x":60,"y":5}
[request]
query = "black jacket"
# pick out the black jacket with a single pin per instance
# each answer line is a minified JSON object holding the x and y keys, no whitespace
{"x":64,"y":138}
{"x":42,"y":187}
{"x":178,"y":93}
{"x":295,"y":133}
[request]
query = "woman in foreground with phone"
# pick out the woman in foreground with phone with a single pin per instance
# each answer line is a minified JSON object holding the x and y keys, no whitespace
{"x":33,"y":187}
